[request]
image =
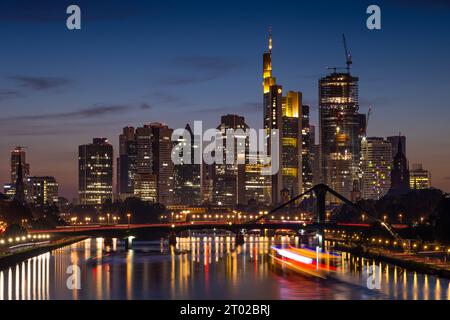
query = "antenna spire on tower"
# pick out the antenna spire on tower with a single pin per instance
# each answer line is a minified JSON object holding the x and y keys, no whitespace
{"x":270,"y":39}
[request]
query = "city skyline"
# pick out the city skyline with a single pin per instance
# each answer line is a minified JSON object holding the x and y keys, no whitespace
{"x":53,"y":109}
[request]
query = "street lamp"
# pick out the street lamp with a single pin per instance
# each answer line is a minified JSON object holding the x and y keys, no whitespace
{"x":129,"y":217}
{"x":107,"y":215}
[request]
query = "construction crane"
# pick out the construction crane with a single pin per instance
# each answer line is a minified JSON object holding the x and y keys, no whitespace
{"x":348,"y":56}
{"x":369,"y":112}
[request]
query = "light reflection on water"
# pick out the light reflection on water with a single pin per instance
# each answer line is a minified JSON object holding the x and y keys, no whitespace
{"x":201,"y":268}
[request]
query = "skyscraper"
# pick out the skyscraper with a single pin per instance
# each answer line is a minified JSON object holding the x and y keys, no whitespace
{"x":229,"y":178}
{"x":272,"y":103}
{"x":145,"y":167}
{"x":145,"y":181}
{"x":339,"y":131}
{"x":419,"y":178}
{"x":20,"y":185}
{"x":394,"y":140}
{"x":315,"y":156}
{"x":376,"y":165}
{"x":126,"y":163}
{"x":18,"y":155}
{"x":95,"y":172}
{"x":291,"y":142}
{"x":285,"y":115}
{"x":162,"y":167}
{"x":42,"y":190}
{"x":187,"y":176}
{"x":307,"y":144}
{"x":400,"y":172}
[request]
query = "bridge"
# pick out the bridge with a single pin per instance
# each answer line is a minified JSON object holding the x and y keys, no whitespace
{"x":262,"y":222}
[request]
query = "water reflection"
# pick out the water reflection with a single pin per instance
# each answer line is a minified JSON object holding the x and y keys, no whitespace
{"x":206,"y":267}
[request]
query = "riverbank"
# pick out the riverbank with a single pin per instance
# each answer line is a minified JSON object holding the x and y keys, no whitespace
{"x":411,"y":265}
{"x":11,"y":259}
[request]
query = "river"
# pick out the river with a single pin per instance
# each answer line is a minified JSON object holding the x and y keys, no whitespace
{"x":200,"y":269}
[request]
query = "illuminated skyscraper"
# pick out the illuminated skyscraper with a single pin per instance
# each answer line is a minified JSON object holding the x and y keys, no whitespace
{"x":291,"y":142}
{"x":162,"y":167}
{"x":419,"y":178}
{"x":282,"y":114}
{"x":229,"y":178}
{"x":187,"y":177}
{"x":339,"y":131}
{"x":145,"y":167}
{"x":307,"y":144}
{"x":19,"y":194}
{"x":95,"y":168}
{"x":268,"y":80}
{"x":42,"y":190}
{"x":376,"y":165}
{"x":126,"y":163}
{"x":144,"y":184}
{"x":19,"y":155}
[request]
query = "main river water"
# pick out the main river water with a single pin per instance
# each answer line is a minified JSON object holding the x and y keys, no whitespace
{"x":201,"y":268}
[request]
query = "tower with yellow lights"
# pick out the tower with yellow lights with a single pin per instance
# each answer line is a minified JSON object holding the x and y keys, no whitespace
{"x":282,"y":113}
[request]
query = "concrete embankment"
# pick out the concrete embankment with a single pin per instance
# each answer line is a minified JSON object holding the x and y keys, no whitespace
{"x":10,"y":259}
{"x":411,"y":265}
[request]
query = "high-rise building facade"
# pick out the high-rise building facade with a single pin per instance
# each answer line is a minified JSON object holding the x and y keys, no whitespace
{"x":285,"y":115}
{"x":229,"y":178}
{"x":307,"y":143}
{"x":145,"y":168}
{"x":315,"y":156}
{"x":187,"y":176}
{"x":376,"y":165}
{"x":42,"y":190}
{"x":18,"y":154}
{"x":395,"y":142}
{"x":126,"y":163}
{"x":400,"y":172}
{"x":291,"y":142}
{"x":339,"y":131}
{"x":145,"y":181}
{"x":163,"y":166}
{"x":95,"y":172}
{"x":419,"y":178}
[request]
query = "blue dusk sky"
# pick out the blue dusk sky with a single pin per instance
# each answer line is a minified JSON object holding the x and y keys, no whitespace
{"x":135,"y":62}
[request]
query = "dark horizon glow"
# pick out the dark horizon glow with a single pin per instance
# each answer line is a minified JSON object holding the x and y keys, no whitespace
{"x":136,"y":62}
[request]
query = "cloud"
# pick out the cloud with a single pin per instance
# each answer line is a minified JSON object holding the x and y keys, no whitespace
{"x":89,"y":113}
{"x":243,"y":108}
{"x":40,"y":83}
{"x":204,"y":68}
{"x":9,"y":94}
{"x":146,"y":106}
{"x":212,"y":64}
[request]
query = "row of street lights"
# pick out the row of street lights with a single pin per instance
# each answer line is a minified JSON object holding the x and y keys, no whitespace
{"x":101,"y":219}
{"x":387,"y":242}
{"x":13,"y":240}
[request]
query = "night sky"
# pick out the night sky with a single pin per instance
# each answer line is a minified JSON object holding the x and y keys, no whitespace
{"x":136,"y":62}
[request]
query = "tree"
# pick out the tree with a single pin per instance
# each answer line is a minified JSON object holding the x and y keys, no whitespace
{"x":441,"y":221}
